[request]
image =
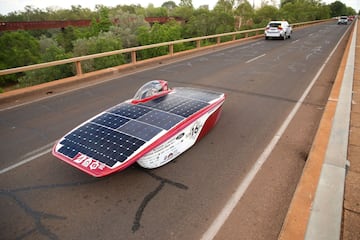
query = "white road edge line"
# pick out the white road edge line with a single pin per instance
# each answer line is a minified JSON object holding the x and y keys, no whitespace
{"x":255,"y":58}
{"x":240,"y":191}
{"x":29,"y":157}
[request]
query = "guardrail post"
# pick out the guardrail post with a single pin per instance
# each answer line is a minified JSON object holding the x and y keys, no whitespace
{"x":246,"y":35}
{"x":133,"y":57}
{"x":218,"y":40}
{"x":171,"y":49}
{"x":234,"y":37}
{"x":78,"y":68}
{"x":198,"y":43}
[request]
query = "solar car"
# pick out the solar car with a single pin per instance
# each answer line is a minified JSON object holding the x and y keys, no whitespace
{"x":151,"y":129}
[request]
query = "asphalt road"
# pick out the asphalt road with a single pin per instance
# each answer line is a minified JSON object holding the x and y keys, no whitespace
{"x":44,"y":198}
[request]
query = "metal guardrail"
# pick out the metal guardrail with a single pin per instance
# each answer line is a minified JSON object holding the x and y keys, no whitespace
{"x":77,"y":60}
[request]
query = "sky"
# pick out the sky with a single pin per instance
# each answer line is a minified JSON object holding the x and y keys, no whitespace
{"x":7,"y":6}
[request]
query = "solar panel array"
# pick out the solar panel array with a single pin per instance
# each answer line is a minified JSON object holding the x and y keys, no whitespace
{"x":117,"y":133}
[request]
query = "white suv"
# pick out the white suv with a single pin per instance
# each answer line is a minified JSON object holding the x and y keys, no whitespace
{"x":343,"y":20}
{"x":278,"y":29}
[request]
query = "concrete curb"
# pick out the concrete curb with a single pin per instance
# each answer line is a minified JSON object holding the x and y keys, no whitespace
{"x":326,"y":213}
{"x":316,"y":209}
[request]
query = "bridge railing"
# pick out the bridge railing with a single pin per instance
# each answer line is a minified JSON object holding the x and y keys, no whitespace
{"x":77,"y":61}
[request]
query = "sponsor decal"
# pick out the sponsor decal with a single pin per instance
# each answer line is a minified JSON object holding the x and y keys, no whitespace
{"x":168,"y":157}
{"x":172,"y":148}
{"x":180,"y":136}
{"x":88,"y":162}
{"x":195,"y":129}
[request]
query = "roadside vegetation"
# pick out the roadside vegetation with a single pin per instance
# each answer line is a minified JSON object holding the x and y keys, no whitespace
{"x":124,"y":26}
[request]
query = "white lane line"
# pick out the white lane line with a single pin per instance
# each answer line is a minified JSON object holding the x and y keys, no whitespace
{"x":255,"y":58}
{"x":29,"y":157}
{"x":240,"y":191}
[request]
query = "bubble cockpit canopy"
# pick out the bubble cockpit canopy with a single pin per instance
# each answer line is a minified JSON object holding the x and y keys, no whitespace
{"x":151,"y":89}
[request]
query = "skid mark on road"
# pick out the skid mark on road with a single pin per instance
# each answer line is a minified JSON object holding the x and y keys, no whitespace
{"x":35,"y":215}
{"x":151,"y":195}
{"x":39,"y":216}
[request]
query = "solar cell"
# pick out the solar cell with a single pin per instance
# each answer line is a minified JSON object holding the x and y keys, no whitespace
{"x":161,"y":119}
{"x":140,"y":130}
{"x":100,"y":143}
{"x":206,"y":96}
{"x":186,"y":110}
{"x":184,"y":103}
{"x":167,"y":103}
{"x":68,"y":151}
{"x":129,"y":110}
{"x":110,"y":120}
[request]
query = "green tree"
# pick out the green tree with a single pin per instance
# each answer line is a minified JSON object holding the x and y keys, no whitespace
{"x":323,"y":12}
{"x":200,"y":24}
{"x":302,"y":11}
{"x":132,"y":9}
{"x":152,"y":11}
{"x":283,"y":2}
{"x":170,"y":5}
{"x":186,"y":3}
{"x":184,"y":12}
{"x":224,"y":6}
{"x":54,"y":52}
{"x":100,"y":23}
{"x":104,"y":42}
{"x":66,"y":37}
{"x":35,"y":14}
{"x":225,"y":22}
{"x":29,"y":14}
{"x":205,"y":22}
{"x":18,"y":48}
{"x":158,"y":33}
{"x":126,"y":25}
{"x":265,"y":14}
{"x":244,"y":13}
{"x":50,"y":51}
{"x":350,"y":11}
{"x":337,"y":8}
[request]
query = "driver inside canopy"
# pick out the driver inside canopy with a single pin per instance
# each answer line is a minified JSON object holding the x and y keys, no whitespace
{"x":150,"y":89}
